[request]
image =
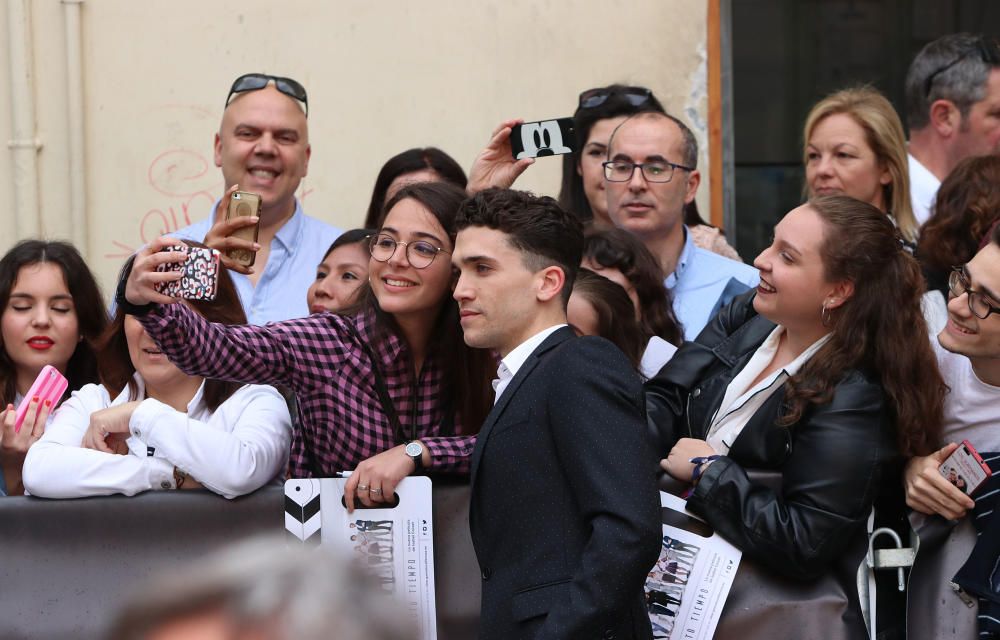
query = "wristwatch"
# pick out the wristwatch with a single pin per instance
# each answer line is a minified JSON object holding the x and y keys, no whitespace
{"x":416,"y":452}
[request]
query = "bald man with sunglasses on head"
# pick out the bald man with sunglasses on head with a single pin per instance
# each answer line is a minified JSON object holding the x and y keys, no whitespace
{"x":263,"y":147}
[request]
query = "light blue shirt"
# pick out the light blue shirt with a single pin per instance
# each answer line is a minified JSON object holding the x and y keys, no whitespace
{"x":296,"y":251}
{"x":703,"y":283}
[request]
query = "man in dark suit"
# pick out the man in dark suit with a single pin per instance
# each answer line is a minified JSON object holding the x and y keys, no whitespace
{"x":565,"y":511}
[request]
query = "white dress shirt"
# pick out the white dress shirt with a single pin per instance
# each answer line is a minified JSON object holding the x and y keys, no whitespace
{"x":741,"y":401}
{"x":234,"y":450}
{"x":515,"y":359}
{"x":924,"y":186}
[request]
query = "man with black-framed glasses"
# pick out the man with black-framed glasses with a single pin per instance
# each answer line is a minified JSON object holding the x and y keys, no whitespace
{"x":968,"y":353}
{"x":952,"y":110}
{"x":263,"y":147}
{"x":650,"y":176}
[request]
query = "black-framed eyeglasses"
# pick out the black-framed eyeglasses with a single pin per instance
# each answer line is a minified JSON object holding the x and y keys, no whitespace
{"x":979,"y":304}
{"x":657,"y":171}
{"x":419,"y":253}
{"x":257,"y":81}
{"x":986,"y":49}
{"x":635,"y":96}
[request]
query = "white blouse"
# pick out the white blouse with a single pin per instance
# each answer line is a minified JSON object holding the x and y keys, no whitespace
{"x":741,"y":401}
{"x":234,"y":450}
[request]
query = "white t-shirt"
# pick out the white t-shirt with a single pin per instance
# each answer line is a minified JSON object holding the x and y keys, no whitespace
{"x":971,"y":407}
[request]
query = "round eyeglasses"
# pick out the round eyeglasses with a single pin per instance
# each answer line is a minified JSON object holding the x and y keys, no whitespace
{"x":979,"y":303}
{"x":658,"y":171}
{"x":420,"y":253}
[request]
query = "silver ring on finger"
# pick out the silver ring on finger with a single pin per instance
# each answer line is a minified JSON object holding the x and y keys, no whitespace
{"x":362,"y":487}
{"x":377,"y":492}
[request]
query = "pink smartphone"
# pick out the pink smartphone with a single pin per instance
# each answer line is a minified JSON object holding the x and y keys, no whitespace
{"x":965,"y":468}
{"x":49,"y":385}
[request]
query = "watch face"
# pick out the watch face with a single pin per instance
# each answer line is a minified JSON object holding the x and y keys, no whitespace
{"x":414,"y":449}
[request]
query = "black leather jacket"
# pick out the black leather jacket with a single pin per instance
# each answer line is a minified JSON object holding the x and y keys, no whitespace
{"x":830,"y":461}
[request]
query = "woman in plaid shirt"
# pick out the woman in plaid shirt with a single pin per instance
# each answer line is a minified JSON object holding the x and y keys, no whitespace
{"x":405,"y":332}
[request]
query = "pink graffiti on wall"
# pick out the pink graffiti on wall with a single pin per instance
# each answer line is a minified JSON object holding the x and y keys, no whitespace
{"x":192,"y":182}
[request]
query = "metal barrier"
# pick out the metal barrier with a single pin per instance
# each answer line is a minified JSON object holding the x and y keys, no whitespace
{"x":65,"y":565}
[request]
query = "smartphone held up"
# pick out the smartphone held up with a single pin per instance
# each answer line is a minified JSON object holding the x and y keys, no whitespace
{"x":543,"y":138}
{"x":243,"y":204}
{"x":49,"y":386}
{"x":200,"y":279}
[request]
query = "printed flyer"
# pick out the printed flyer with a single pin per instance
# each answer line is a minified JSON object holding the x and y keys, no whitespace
{"x":394,"y":543}
{"x":687,"y":588}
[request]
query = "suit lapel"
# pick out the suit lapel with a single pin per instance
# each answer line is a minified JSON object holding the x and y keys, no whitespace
{"x":558,"y":337}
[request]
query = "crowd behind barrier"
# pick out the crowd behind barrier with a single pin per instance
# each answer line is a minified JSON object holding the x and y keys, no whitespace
{"x":814,"y":364}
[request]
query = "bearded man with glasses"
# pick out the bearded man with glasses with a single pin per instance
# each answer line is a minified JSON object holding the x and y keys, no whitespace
{"x":968,"y":353}
{"x":263,"y":147}
{"x":952,"y":110}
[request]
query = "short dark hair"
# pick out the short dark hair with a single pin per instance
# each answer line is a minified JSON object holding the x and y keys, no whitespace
{"x":545,"y":233}
{"x":962,"y":63}
{"x":689,"y":144}
{"x":91,"y":314}
{"x":411,"y":161}
{"x":572,"y":197}
{"x":996,"y":234}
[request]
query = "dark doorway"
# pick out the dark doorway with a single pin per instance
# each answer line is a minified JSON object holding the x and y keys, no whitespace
{"x":788,"y":54}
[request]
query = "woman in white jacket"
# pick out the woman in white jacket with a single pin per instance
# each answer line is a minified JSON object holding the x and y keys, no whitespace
{"x":149,"y":426}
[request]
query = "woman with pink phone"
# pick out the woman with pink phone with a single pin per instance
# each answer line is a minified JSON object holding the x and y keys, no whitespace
{"x":51,"y":312}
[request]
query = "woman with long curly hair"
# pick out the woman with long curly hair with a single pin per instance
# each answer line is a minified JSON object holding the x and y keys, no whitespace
{"x":824,"y":374}
{"x":965,"y":209}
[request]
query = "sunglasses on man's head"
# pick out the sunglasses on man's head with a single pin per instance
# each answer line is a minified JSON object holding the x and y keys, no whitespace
{"x":985,"y":48}
{"x":257,"y":81}
{"x":635,"y":96}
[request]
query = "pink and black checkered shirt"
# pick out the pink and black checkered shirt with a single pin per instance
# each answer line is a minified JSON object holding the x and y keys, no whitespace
{"x":322,"y":361}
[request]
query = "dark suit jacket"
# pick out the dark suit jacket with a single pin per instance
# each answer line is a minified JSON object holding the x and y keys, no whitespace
{"x":565,"y":511}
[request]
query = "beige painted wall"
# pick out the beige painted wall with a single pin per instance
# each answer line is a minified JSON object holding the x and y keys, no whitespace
{"x":382,"y":77}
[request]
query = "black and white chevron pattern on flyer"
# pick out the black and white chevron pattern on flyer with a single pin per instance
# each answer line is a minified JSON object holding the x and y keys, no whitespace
{"x":303,"y":519}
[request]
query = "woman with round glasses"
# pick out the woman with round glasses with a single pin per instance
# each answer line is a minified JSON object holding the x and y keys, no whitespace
{"x":386,"y":388}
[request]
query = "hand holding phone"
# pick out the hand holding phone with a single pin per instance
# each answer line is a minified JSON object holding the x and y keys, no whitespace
{"x":543,"y":138}
{"x":243,"y":204}
{"x":965,"y":469}
{"x":200,"y":270}
{"x":49,"y":386}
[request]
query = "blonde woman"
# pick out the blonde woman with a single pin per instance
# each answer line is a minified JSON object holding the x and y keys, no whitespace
{"x":855,"y":146}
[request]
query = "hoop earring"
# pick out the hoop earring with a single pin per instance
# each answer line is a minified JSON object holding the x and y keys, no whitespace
{"x":825,"y":316}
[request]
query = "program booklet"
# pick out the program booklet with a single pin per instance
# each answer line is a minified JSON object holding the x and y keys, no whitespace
{"x":687,"y":587}
{"x":396,"y":544}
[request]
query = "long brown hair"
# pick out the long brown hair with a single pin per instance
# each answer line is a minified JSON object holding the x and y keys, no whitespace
{"x":966,"y":206}
{"x":467,"y":371}
{"x":879,"y":330}
{"x":615,"y":313}
{"x":619,"y":249}
{"x":91,"y":315}
{"x":115,"y":365}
